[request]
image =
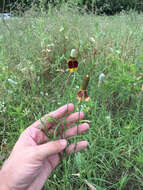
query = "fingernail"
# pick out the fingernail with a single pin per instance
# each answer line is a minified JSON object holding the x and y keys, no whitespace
{"x":63,"y":143}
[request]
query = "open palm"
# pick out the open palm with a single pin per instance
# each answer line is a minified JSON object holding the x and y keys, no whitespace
{"x":34,"y":156}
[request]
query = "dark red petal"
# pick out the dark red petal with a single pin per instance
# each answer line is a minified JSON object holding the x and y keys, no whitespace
{"x":80,"y":93}
{"x":86,"y":97}
{"x":75,"y":63}
{"x":70,"y":64}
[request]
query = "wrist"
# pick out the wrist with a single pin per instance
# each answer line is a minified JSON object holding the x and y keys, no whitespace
{"x":3,"y":181}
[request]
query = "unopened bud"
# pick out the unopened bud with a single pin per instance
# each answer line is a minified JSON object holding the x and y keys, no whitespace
{"x":85,"y":82}
{"x":73,"y":53}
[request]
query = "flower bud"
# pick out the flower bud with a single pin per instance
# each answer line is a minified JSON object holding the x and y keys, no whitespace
{"x":73,"y":53}
{"x":101,"y":79}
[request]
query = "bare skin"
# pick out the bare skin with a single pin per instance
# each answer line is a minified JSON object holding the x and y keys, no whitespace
{"x":35,"y":155}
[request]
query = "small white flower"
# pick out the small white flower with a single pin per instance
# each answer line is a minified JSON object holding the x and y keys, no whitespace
{"x":46,"y":94}
{"x":50,"y":45}
{"x":77,"y":86}
{"x":48,"y":50}
{"x":92,"y":39}
{"x":101,"y":79}
{"x":42,"y":93}
{"x":73,"y":53}
{"x":31,"y":68}
{"x":61,"y":29}
{"x":108,"y":118}
{"x":118,"y":52}
{"x":12,"y":82}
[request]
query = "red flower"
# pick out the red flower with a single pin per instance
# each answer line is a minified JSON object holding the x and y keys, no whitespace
{"x":82,"y":93}
{"x":72,"y":64}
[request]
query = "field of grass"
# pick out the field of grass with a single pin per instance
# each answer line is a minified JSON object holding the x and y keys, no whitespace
{"x":34,"y":80}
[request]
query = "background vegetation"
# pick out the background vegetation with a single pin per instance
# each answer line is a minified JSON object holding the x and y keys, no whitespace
{"x":109,"y":7}
{"x":35,"y":80}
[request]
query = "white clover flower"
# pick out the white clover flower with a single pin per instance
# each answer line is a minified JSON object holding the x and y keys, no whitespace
{"x":101,"y":79}
{"x":46,"y":94}
{"x":92,"y":39}
{"x":12,"y":82}
{"x":73,"y":53}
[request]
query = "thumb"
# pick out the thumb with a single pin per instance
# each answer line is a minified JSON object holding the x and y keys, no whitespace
{"x":50,"y":148}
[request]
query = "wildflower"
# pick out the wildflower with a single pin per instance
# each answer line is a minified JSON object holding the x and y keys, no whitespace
{"x":101,"y":79}
{"x":108,"y":117}
{"x":82,"y":93}
{"x":42,"y":93}
{"x":12,"y":82}
{"x":92,"y":39}
{"x":61,"y":29}
{"x":72,"y":62}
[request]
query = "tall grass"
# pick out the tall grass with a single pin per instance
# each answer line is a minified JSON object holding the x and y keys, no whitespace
{"x":33,"y":53}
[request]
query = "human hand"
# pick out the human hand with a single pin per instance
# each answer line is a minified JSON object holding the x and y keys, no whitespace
{"x":34,"y":155}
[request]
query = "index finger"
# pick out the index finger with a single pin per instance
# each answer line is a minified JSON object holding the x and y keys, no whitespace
{"x":43,"y":123}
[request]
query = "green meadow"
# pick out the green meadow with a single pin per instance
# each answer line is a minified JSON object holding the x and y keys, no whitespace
{"x":35,"y":80}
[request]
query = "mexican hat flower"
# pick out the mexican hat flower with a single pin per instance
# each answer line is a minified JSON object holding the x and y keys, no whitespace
{"x":72,"y":62}
{"x":82,"y":93}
